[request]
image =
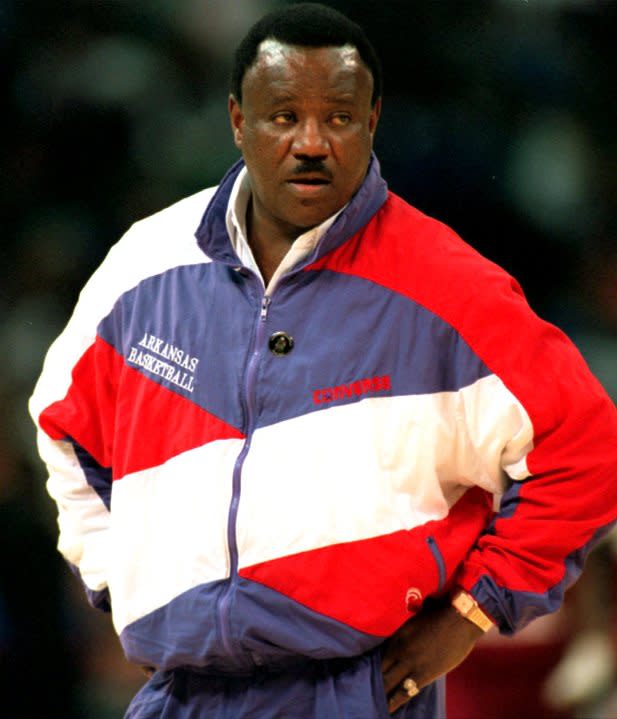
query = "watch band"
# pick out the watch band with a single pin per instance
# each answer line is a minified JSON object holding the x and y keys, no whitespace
{"x":467,"y":607}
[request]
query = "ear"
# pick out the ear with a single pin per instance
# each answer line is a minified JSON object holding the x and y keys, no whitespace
{"x":237,"y":120}
{"x":374,"y":117}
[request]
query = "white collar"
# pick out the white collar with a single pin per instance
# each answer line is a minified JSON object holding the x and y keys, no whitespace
{"x":235,"y":219}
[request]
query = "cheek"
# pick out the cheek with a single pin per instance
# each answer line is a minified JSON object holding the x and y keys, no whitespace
{"x":267,"y":143}
{"x":354,"y":156}
{"x":354,"y":148}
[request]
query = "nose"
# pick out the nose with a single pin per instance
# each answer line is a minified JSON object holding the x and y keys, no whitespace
{"x":310,"y":140}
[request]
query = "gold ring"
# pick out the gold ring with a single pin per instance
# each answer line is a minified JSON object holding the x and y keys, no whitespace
{"x":410,"y":687}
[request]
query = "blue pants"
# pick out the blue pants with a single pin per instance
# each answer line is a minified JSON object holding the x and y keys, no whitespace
{"x":329,"y":689}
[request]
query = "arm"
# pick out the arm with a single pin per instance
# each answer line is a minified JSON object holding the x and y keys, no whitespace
{"x":559,"y":497}
{"x":562,"y":496}
{"x":73,"y":403}
{"x":71,"y":406}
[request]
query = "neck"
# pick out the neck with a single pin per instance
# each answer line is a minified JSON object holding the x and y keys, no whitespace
{"x":268,"y":242}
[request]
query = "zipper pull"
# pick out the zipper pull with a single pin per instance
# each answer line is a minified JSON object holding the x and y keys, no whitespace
{"x":265,"y":303}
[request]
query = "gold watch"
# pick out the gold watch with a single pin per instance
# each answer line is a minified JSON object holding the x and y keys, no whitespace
{"x":467,"y":607}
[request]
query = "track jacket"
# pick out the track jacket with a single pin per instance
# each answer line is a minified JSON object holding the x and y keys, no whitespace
{"x":249,"y":479}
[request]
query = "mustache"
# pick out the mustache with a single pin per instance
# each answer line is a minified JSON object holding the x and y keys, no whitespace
{"x":308,"y":166}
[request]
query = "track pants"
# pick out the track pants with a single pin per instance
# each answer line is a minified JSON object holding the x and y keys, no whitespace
{"x":329,"y":689}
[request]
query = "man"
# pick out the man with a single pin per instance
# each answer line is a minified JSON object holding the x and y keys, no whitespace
{"x":276,"y":447}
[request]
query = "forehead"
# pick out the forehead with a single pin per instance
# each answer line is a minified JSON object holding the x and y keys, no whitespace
{"x":279,"y":66}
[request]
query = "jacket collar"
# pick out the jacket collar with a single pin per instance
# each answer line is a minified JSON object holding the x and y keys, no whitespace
{"x":213,"y":239}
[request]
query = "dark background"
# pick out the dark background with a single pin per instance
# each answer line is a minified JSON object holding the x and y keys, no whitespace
{"x":499,"y":118}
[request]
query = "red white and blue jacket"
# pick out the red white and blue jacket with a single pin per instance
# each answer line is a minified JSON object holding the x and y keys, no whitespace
{"x":235,"y":506}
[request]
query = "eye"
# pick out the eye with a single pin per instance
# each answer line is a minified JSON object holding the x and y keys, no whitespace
{"x":283,"y":118}
{"x":340,"y":119}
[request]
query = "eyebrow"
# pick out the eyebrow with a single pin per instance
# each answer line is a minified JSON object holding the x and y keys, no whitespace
{"x":344,"y":99}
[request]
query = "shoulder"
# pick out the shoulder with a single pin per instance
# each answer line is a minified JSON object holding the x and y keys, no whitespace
{"x":431,"y":264}
{"x":427,"y":244}
{"x":155,"y":244}
{"x":172,"y":228}
{"x":415,"y":255}
{"x":152,"y":246}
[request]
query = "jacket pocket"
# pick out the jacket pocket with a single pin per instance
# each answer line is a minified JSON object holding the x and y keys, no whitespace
{"x":439,"y":561}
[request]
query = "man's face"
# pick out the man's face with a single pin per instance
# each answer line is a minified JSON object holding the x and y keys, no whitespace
{"x":305,"y":129}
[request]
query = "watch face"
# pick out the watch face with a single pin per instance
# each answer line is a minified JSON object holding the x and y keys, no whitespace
{"x":465,"y":603}
{"x":468,"y":608}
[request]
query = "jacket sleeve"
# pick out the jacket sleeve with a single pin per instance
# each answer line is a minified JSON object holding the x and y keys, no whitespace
{"x":560,"y":491}
{"x":72,"y":406}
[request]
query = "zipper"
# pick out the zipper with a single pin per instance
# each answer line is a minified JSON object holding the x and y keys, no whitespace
{"x":265,"y":303}
{"x":249,"y":408}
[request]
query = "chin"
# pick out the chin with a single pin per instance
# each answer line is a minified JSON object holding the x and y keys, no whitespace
{"x":311,"y":217}
{"x":304,"y":225}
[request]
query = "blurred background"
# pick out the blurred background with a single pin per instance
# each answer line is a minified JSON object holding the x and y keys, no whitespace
{"x":499,"y":119}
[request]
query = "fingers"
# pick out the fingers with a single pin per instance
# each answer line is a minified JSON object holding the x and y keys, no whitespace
{"x":394,"y":677}
{"x":402,"y":693}
{"x":400,"y":684}
{"x":400,"y":675}
{"x":397,"y":699}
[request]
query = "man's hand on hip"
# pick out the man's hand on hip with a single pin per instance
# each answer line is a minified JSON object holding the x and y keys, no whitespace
{"x":427,"y":646}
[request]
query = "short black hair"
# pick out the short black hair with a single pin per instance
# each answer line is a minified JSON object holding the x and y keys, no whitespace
{"x":307,"y":24}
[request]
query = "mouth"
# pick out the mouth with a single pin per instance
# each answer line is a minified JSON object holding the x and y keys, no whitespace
{"x":310,"y":181}
{"x":310,"y":186}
